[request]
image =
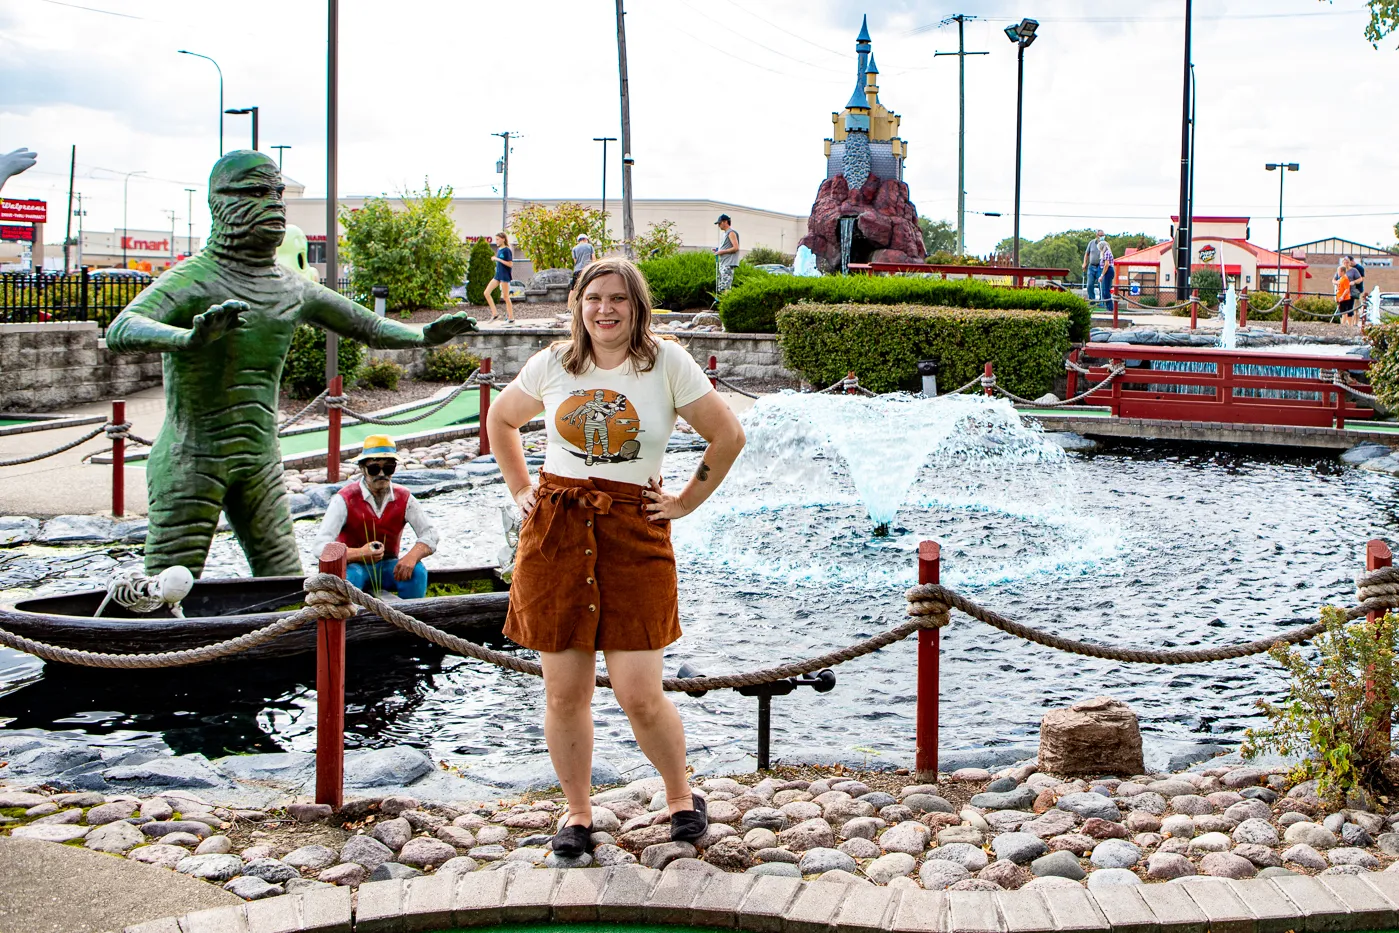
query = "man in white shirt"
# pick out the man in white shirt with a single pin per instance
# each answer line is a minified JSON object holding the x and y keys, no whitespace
{"x":368,"y":516}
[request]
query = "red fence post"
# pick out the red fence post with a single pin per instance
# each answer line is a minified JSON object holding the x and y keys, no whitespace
{"x":1194,"y":307}
{"x":332,"y":444}
{"x":850,"y":382}
{"x":485,"y":407}
{"x":929,"y":654}
{"x":330,"y":693}
{"x":1243,"y":309}
{"x":1074,"y":358}
{"x":1377,"y":555}
{"x":714,"y":368}
{"x":1286,"y":304}
{"x":118,"y":462}
{"x":989,"y":375}
{"x":1112,"y":298}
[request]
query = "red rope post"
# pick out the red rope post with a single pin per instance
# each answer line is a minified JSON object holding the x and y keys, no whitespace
{"x":1194,"y":307}
{"x":850,"y":382}
{"x":1286,"y":305}
{"x":1112,"y":298}
{"x":485,"y":406}
{"x":929,"y":652}
{"x":1243,"y":309}
{"x":714,"y":368}
{"x":330,"y":692}
{"x":118,"y":462}
{"x":1377,"y":555}
{"x":1074,"y":358}
{"x":990,"y":374}
{"x":332,"y":444}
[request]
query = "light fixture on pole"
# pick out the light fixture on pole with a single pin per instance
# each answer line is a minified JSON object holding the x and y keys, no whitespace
{"x":502,"y":167}
{"x":1022,"y":34}
{"x":80,"y":214}
{"x":125,"y":231}
{"x":251,"y":110}
{"x":172,"y":235}
{"x":604,"y":140}
{"x":279,"y":157}
{"x":220,"y":70}
{"x":1282,"y":168}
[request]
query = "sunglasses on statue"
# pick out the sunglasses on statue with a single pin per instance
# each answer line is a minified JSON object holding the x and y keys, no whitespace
{"x":374,"y":469}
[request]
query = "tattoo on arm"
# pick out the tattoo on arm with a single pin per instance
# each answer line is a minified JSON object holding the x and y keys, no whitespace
{"x":702,"y":473}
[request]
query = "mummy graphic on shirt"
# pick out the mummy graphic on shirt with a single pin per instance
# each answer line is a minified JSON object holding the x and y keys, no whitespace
{"x":599,"y":426}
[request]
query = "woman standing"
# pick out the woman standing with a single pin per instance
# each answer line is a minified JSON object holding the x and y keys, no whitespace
{"x":504,"y":263}
{"x":595,"y":570}
{"x":1344,"y":302}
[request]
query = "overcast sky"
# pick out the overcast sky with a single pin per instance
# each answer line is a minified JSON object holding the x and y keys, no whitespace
{"x":731,"y":100}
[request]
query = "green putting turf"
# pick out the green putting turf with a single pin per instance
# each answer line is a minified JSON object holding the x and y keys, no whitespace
{"x":464,"y":409}
{"x":1067,"y":412}
{"x":11,"y":422}
{"x":1381,"y":427}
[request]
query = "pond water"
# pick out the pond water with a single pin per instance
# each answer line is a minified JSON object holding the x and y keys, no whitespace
{"x":1137,"y":544}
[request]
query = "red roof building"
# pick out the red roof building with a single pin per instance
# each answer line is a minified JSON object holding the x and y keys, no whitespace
{"x":1219,"y":243}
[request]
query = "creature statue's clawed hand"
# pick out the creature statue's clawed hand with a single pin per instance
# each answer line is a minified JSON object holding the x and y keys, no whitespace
{"x":217,"y":321}
{"x":448,"y":326}
{"x":12,"y":163}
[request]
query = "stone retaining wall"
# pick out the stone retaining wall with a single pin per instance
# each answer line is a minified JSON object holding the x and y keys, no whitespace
{"x":48,"y":366}
{"x":741,"y":356}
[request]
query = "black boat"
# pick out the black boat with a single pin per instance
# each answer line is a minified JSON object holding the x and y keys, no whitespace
{"x":473,"y":605}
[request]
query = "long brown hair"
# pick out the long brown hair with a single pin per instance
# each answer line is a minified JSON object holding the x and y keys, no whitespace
{"x":577,"y":353}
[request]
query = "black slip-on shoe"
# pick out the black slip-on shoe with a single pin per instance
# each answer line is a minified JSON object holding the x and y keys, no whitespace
{"x":573,"y":840}
{"x":689,"y":825}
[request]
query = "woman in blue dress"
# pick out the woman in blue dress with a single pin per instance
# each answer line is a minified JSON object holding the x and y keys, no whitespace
{"x":504,"y":262}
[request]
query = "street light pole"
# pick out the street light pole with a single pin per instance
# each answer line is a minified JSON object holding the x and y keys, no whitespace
{"x":604,"y":140}
{"x":80,"y":215}
{"x":960,"y":19}
{"x":189,"y":233}
{"x":1022,"y":35}
{"x":628,"y":230}
{"x":1186,"y":227}
{"x":279,"y":157}
{"x":1282,"y":168}
{"x":125,"y":229}
{"x":251,"y":110}
{"x":503,"y":166}
{"x":332,"y":222}
{"x":172,"y":235}
{"x":220,"y":70}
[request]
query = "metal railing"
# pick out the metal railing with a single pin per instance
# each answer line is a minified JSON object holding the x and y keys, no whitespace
{"x":89,"y":295}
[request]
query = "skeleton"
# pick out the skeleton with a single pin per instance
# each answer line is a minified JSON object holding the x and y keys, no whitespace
{"x":133,"y":590}
{"x":218,"y":450}
{"x":594,"y":415}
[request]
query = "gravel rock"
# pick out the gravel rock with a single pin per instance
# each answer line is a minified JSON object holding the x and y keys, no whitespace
{"x":491,"y":853}
{"x":810,"y":834}
{"x":252,"y":889}
{"x":777,"y":855}
{"x":1112,"y":877}
{"x":1347,"y":869}
{"x":310,"y":812}
{"x":731,"y":854}
{"x":393,"y":871}
{"x":938,"y":875}
{"x":799,"y":810}
{"x":1388,"y":843}
{"x":1077,"y":843}
{"x":761,"y":839}
{"x":211,"y":867}
{"x":864,"y":827}
{"x":1147,"y":802}
{"x":347,"y":874}
{"x":1052,"y":823}
{"x":1318,"y":837}
{"x":606,"y":856}
{"x":156,"y":809}
{"x":62,"y":832}
{"x":1090,"y":805}
{"x":818,"y":861}
{"x":188,"y":840}
{"x":861,"y":848}
{"x":581,"y":860}
{"x":1008,"y":821}
{"x":1211,"y":842}
{"x":969,"y":857}
{"x":215,"y":845}
{"x":56,"y":817}
{"x":1304,"y":856}
{"x":661,"y":855}
{"x":1192,"y":805}
{"x":1104,"y":829}
{"x":1178,"y":826}
{"x":1249,"y":810}
{"x":166,"y":856}
{"x":117,"y":837}
{"x":909,"y":838}
{"x":781,"y":869}
{"x":1171,"y":788}
{"x":304,"y":885}
{"x":271,"y":870}
{"x":1139,"y":821}
{"x":362,"y":850}
{"x":1005,"y":874}
{"x":1353,"y":835}
{"x":1058,"y":864}
{"x":1050,"y":881}
{"x":1164,"y":866}
{"x":111,"y":812}
{"x":974,"y":884}
{"x":888,"y":867}
{"x":764,"y":818}
{"x":393,"y":833}
{"x":1262,"y":856}
{"x":1019,"y":848}
{"x":1115,"y":853}
{"x":1256,"y":832}
{"x":491,"y":835}
{"x":1019,"y":799}
{"x":162,"y":827}
{"x":927,"y":803}
{"x":1243,"y":777}
{"x":967,"y":834}
{"x":1227,"y":865}
{"x":1351,"y":856}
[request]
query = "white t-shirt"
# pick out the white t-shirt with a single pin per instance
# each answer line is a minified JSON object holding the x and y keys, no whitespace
{"x":612,"y":423}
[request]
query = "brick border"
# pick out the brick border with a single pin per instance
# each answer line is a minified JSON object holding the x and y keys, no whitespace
{"x":772,"y":904}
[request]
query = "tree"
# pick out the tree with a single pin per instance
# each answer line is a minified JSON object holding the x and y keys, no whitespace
{"x":659,"y":241}
{"x":938,"y":236}
{"x":416,"y":251}
{"x":1065,"y":250}
{"x":1384,"y":19}
{"x":480,"y":267}
{"x":547,"y":235}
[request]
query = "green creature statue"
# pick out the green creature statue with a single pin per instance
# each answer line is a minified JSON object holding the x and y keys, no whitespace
{"x":224,"y":320}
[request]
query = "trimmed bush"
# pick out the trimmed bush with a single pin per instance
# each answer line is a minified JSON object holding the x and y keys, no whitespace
{"x":303,"y":376}
{"x":381,"y":374}
{"x":883,"y":344}
{"x":450,"y":363}
{"x":1264,"y":306}
{"x":764,"y":255}
{"x":687,"y":280}
{"x":1316,"y":304}
{"x":1384,"y":366}
{"x":752,"y":307}
{"x":479,"y":269}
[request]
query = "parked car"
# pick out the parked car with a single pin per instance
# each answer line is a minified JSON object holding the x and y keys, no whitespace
{"x":121,"y":275}
{"x":1388,"y":305}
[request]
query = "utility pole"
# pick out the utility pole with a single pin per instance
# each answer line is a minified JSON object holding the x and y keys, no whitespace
{"x":172,"y":236}
{"x":332,"y":222}
{"x":189,"y":234}
{"x":628,"y":230}
{"x":68,"y":231}
{"x":604,"y":140}
{"x":1185,"y":226}
{"x":80,"y":212}
{"x":961,"y":19}
{"x":503,"y":167}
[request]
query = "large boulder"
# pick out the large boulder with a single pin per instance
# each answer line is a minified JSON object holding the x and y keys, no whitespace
{"x":885,"y":220}
{"x":1097,"y":736}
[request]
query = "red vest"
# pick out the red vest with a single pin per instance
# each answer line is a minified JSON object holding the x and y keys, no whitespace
{"x":362,"y":525}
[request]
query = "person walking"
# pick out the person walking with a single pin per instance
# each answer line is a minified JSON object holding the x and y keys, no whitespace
{"x":1109,"y":273}
{"x":1345,"y":304}
{"x":595,"y":570}
{"x":725,"y":255}
{"x":582,"y":255}
{"x":1093,"y":265}
{"x":504,"y":263}
{"x":1356,"y":273}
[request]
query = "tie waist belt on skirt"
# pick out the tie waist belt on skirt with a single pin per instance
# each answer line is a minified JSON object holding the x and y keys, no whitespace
{"x":592,"y":571}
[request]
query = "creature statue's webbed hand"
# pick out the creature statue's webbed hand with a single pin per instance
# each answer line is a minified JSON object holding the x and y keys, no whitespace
{"x":448,"y":326}
{"x":12,"y":163}
{"x":213,"y":324}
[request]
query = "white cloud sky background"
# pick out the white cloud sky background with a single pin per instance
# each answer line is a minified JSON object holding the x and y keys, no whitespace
{"x":730,"y":100}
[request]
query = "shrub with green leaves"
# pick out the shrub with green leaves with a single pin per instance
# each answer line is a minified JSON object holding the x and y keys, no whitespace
{"x":766,"y":255}
{"x":1337,"y":709}
{"x":1316,"y":304}
{"x":415,"y":251}
{"x":659,"y":241}
{"x":1384,"y":362}
{"x":381,"y":374}
{"x":450,"y":363}
{"x":1264,"y":306}
{"x":752,"y":306}
{"x":480,"y":267}
{"x":687,"y":280}
{"x":883,"y":344}
{"x":1208,"y":284}
{"x":303,"y":375}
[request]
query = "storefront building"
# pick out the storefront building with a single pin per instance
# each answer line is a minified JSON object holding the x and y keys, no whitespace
{"x":1219,"y":243}
{"x":151,"y":251}
{"x":1323,"y":256}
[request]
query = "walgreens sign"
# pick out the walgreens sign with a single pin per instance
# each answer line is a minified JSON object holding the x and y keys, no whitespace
{"x":29,"y":212}
{"x":138,"y":244}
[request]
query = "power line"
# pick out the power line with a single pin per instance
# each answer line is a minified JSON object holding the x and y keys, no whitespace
{"x":781,"y":28}
{"x":1162,"y":18}
{"x":747,"y":38}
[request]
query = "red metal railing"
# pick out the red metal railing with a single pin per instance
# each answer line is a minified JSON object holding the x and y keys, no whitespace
{"x":1331,"y":406}
{"x":1018,"y":273}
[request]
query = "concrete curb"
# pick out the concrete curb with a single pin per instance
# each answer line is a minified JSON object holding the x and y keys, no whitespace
{"x":771,"y":904}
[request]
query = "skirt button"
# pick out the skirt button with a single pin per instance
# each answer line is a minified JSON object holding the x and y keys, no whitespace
{"x":588,"y":552}
{"x":590,"y":581}
{"x":592,"y":608}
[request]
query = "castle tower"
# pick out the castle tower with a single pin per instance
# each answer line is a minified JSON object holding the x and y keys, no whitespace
{"x":865,"y":138}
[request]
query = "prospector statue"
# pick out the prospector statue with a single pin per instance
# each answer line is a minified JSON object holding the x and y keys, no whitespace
{"x":224,"y":320}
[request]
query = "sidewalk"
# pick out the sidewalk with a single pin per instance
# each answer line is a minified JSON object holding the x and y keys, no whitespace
{"x":63,"y":484}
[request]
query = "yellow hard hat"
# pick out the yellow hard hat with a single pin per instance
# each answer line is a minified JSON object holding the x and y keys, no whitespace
{"x":378,"y":447}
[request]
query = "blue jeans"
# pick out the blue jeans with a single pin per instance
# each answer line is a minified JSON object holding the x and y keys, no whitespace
{"x":378,"y":577}
{"x":1109,"y":274}
{"x":1094,"y":272}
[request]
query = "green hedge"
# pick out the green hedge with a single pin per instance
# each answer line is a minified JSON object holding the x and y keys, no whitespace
{"x":687,"y":280}
{"x":752,"y":307}
{"x":303,"y":376}
{"x":883,"y":344}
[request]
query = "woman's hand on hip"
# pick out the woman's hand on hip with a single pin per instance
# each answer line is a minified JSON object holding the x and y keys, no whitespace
{"x":663,"y":505}
{"x":525,"y":498}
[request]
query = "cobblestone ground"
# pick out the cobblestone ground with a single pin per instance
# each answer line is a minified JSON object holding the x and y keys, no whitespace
{"x":972,"y":831}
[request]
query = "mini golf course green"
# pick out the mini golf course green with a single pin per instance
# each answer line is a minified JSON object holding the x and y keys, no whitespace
{"x":463,"y":410}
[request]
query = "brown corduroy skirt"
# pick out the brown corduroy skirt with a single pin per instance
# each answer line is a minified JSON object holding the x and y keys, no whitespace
{"x":592,"y":572}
